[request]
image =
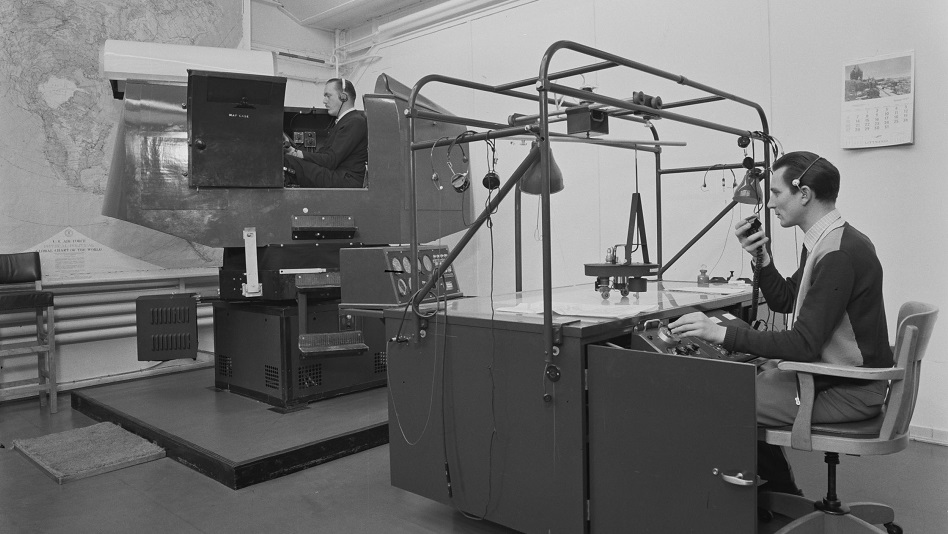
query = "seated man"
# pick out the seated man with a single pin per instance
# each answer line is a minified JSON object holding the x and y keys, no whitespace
{"x":341,"y":161}
{"x":836,"y":297}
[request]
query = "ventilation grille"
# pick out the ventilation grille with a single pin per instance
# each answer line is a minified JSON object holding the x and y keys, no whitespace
{"x":271,"y":377}
{"x":166,"y":342}
{"x":381,"y":362}
{"x":171,"y":315}
{"x":225,"y":366}
{"x":309,"y":376}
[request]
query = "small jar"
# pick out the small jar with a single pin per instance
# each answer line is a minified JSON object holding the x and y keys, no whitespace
{"x":703,"y":279}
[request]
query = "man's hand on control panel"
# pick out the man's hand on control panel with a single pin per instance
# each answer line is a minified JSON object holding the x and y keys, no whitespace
{"x":698,"y":325}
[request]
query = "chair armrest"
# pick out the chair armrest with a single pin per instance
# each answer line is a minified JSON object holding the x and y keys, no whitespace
{"x":829,"y":369}
{"x":801,"y":437}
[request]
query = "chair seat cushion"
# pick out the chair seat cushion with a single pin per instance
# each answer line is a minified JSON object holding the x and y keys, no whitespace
{"x":868,"y":428}
{"x":856,"y":429}
{"x":21,"y":300}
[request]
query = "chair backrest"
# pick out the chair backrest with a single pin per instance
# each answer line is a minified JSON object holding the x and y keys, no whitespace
{"x":916,"y":322}
{"x":20,"y":268}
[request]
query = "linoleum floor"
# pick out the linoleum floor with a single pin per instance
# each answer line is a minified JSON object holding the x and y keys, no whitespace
{"x":353,"y":494}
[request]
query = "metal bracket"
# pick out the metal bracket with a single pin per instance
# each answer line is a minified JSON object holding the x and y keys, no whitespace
{"x":558,"y":331}
{"x":253,"y":287}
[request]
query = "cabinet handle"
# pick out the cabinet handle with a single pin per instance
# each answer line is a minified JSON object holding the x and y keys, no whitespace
{"x":737,"y":480}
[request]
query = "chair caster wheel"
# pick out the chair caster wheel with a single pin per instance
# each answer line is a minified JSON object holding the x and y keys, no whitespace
{"x":892,"y":528}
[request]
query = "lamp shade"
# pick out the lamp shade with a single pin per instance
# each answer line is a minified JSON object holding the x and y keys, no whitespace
{"x":532,"y":181}
{"x":749,"y":191}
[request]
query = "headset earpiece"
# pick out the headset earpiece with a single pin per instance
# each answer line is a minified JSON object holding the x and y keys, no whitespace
{"x":491,"y":180}
{"x":459,"y":180}
{"x":343,"y":95}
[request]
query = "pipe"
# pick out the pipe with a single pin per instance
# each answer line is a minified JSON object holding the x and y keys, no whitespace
{"x":475,"y":226}
{"x":706,"y":168}
{"x":579,"y":93}
{"x":111,"y":333}
{"x":27,"y":332}
{"x":434,"y":15}
{"x":699,"y":235}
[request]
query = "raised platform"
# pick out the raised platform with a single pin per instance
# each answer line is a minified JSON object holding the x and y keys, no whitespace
{"x":233,"y":439}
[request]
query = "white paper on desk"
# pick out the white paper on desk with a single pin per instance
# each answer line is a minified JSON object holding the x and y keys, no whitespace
{"x":714,"y":290}
{"x":580,"y":310}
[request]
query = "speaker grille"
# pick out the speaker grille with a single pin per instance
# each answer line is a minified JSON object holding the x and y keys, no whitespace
{"x":170,"y":341}
{"x":271,"y":377}
{"x":309,"y":376}
{"x":225,"y":366}
{"x":381,"y":362}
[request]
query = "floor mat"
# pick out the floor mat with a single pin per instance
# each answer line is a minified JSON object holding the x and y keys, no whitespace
{"x":87,"y":451}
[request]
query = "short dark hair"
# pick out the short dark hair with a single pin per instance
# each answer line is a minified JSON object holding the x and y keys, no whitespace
{"x":821,"y":176}
{"x":344,"y":86}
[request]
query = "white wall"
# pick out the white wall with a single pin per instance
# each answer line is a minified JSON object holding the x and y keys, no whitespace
{"x":891,"y":194}
{"x":272,"y":29}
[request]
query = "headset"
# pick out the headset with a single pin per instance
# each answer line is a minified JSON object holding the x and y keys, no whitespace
{"x":343,"y":95}
{"x":435,"y":179}
{"x":459,"y":180}
{"x":491,"y":180}
{"x":796,"y":182}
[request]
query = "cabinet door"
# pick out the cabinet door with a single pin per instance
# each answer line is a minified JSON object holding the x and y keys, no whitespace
{"x":672,"y":443}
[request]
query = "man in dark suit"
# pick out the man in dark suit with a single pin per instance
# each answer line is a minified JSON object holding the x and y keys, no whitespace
{"x":341,"y":161}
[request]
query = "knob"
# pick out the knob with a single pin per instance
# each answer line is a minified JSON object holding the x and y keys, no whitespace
{"x":199,"y":144}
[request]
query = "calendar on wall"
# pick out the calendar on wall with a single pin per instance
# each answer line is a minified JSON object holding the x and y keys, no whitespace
{"x":879,"y":101}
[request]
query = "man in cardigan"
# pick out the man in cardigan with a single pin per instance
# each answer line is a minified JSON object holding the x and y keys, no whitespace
{"x":341,"y":161}
{"x":835,"y":295}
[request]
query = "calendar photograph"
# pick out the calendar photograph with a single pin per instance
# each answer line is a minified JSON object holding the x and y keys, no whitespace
{"x":878,"y":101}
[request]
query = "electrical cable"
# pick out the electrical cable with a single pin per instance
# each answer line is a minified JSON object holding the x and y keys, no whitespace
{"x":391,"y":392}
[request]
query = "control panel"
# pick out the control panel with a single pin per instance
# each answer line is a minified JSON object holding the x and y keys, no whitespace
{"x":657,"y":337}
{"x":384,"y":276}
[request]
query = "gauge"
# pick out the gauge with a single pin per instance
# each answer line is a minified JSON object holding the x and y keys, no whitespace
{"x":426,"y":263}
{"x":396,"y":265}
{"x":406,"y":264}
{"x":402,"y":287}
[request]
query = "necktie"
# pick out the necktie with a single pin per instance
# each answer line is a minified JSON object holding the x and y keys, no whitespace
{"x":803,"y":254}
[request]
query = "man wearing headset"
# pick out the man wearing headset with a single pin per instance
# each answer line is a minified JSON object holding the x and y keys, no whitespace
{"x":835,"y":295}
{"x":341,"y":162}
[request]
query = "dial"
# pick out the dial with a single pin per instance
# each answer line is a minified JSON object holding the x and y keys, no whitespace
{"x":426,"y":263}
{"x":402,"y":287}
{"x":396,"y":265}
{"x":665,"y":334}
{"x":406,"y":264}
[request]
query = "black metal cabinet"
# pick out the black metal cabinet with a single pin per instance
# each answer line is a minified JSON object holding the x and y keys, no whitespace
{"x":672,"y":443}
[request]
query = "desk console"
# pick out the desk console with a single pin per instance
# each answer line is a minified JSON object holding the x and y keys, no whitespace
{"x":657,"y":337}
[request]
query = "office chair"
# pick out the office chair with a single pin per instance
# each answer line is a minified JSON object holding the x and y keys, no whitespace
{"x":23,"y":301}
{"x":884,"y":434}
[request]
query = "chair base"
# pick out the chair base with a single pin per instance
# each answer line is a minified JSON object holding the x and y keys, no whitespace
{"x":861,"y":517}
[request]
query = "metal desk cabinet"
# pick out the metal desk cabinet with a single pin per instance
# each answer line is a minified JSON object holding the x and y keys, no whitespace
{"x":469,"y":425}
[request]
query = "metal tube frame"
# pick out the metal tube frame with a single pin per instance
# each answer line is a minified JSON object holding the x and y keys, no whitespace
{"x":545,"y":86}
